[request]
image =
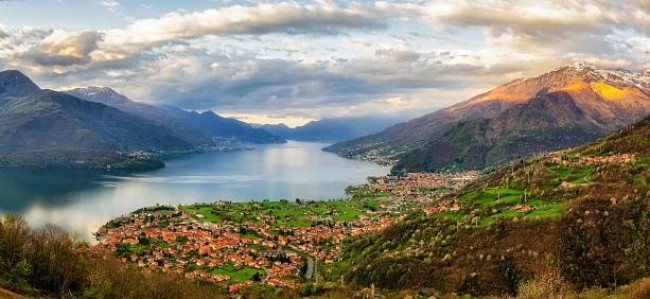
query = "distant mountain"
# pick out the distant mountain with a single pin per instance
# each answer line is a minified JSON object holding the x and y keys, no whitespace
{"x":99,"y":128}
{"x":45,"y":128}
{"x":332,"y":129}
{"x":109,"y":97}
{"x":211,"y":124}
{"x":281,"y":130}
{"x":200,"y":129}
{"x":561,"y":108}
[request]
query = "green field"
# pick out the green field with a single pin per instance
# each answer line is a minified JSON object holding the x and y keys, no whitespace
{"x":502,"y":199}
{"x":284,"y":213}
{"x":491,"y":196}
{"x":237,"y":274}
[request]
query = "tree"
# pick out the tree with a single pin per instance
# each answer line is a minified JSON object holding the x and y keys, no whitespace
{"x":18,"y":276}
{"x":144,"y":241}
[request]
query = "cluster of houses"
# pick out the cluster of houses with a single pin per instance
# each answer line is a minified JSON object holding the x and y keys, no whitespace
{"x":278,"y":247}
{"x":421,"y":187}
{"x":445,"y":205}
{"x":609,"y":159}
{"x":185,"y":246}
{"x":374,"y":156}
{"x":182,"y":242}
{"x":324,"y":241}
{"x":613,"y":159}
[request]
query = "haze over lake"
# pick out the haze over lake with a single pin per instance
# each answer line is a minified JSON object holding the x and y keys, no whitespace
{"x":81,"y":202}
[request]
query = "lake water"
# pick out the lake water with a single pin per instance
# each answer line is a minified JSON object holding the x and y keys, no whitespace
{"x":81,"y":202}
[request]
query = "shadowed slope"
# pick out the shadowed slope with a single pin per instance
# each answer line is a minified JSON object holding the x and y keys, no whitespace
{"x":614,"y":98}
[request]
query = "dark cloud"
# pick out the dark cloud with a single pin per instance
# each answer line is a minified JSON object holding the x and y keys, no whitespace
{"x":240,"y":84}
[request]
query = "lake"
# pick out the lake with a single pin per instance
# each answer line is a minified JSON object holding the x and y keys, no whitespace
{"x":81,"y":202}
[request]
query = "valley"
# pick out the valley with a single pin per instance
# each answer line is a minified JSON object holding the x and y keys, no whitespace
{"x":561,"y":214}
{"x":482,"y":215}
{"x":325,"y":149}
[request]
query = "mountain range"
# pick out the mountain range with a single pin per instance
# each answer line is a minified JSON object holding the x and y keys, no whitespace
{"x":211,"y":124}
{"x":559,"y":109}
{"x":332,"y":129}
{"x":194,"y":125}
{"x":98,"y":128}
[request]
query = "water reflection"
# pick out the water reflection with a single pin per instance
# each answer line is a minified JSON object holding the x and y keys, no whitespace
{"x":81,"y":201}
{"x":23,"y":188}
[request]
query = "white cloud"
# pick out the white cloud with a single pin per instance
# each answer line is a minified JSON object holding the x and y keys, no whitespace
{"x":285,"y":17}
{"x":283,"y":59}
{"x":63,"y":48}
{"x":110,"y":4}
{"x":533,"y":25}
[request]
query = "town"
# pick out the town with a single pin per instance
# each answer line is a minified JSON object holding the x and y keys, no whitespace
{"x":278,"y":243}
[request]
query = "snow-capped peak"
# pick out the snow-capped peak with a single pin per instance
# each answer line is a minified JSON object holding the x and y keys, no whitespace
{"x":92,"y":90}
{"x":581,"y":66}
{"x":615,"y":77}
{"x":640,"y":80}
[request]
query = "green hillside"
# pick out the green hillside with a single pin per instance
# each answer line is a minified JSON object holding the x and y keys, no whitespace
{"x":581,"y":215}
{"x":546,"y":123}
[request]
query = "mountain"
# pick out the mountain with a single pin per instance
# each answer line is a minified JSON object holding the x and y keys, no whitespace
{"x":578,"y":218}
{"x":211,"y":124}
{"x":547,"y":122}
{"x":14,"y":84}
{"x":45,"y":128}
{"x":602,"y":100}
{"x":281,"y":130}
{"x":332,"y":129}
{"x":109,"y":97}
{"x":199,"y":128}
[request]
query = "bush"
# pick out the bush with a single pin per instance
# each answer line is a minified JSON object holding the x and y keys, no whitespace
{"x":640,"y":290}
{"x":546,"y":286}
{"x":48,"y":263}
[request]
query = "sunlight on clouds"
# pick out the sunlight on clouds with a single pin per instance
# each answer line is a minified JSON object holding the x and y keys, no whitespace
{"x":268,"y":119}
{"x":260,"y":19}
{"x":312,"y":59}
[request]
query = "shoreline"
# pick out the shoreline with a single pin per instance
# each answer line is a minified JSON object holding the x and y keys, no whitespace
{"x":279,"y":240}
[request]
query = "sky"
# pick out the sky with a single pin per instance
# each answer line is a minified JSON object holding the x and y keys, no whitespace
{"x":295,"y":61}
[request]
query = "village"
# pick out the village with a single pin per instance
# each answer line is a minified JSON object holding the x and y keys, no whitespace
{"x":411,"y":185}
{"x":278,"y":243}
{"x":171,"y":240}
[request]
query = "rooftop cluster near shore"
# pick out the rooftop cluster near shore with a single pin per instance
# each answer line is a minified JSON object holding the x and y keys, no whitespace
{"x":277,"y":243}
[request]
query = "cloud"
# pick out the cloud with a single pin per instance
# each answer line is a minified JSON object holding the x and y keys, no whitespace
{"x":111,"y":5}
{"x":533,"y":25}
{"x":320,"y":58}
{"x":544,"y":26}
{"x":67,"y":48}
{"x":62,"y":49}
{"x":14,"y":43}
{"x":286,"y":17}
{"x":241,"y":84}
